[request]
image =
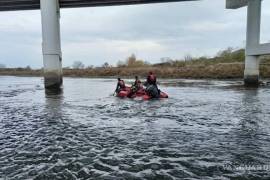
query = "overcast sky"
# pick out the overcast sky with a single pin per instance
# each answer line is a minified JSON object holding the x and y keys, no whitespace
{"x":108,"y":34}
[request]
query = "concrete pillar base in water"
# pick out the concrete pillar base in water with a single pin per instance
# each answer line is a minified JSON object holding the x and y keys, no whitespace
{"x":251,"y":77}
{"x":52,"y":72}
{"x":51,"y":45}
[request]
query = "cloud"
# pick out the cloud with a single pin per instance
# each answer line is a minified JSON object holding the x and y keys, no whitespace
{"x":108,"y":34}
{"x":107,"y":50}
{"x":208,"y":26}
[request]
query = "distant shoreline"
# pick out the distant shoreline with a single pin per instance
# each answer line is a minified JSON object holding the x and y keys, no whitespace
{"x":227,"y":64}
{"x":201,"y":71}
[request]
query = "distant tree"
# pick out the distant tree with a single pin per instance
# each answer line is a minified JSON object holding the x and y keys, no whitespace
{"x":106,"y":65}
{"x":165,"y":60}
{"x":139,"y":63}
{"x":120,"y":64}
{"x":231,"y":55}
{"x":238,"y":55}
{"x":131,"y":60}
{"x":188,"y":57}
{"x":2,"y":66}
{"x":28,"y":67}
{"x":77,"y":65}
{"x":90,"y":67}
{"x":146,"y":63}
{"x":225,"y":53}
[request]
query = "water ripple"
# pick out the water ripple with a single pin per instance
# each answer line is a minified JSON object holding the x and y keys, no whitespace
{"x":194,"y":135}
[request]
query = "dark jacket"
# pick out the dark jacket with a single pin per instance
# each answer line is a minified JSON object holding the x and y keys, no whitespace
{"x":120,"y":85}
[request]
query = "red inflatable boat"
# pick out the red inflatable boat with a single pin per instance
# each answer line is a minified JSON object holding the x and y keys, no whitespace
{"x":140,"y":93}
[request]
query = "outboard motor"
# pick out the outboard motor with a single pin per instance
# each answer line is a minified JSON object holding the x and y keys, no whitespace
{"x":153,"y":91}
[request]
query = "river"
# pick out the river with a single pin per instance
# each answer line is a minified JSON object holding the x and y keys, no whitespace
{"x":207,"y":129}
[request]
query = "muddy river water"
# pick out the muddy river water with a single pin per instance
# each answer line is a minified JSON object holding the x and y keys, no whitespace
{"x":205,"y":130}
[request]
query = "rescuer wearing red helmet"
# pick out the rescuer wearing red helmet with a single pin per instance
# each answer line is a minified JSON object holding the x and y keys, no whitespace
{"x":151,"y":79}
{"x":151,"y":85}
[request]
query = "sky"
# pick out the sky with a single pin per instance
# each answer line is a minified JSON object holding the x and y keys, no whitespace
{"x":96,"y":35}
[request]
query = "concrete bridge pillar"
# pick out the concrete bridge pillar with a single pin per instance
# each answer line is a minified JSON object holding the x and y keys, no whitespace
{"x":252,"y":63}
{"x":51,"y":43}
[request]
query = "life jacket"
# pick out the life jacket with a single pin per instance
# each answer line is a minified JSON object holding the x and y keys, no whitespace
{"x":137,"y":82}
{"x":122,"y":84}
{"x":136,"y":86}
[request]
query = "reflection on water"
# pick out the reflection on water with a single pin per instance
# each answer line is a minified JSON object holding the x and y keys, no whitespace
{"x":246,"y":132}
{"x":250,"y":135}
{"x":53,"y":92}
{"x":85,"y":133}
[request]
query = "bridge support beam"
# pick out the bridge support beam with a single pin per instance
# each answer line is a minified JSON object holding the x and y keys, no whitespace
{"x":51,"y":43}
{"x":252,"y":63}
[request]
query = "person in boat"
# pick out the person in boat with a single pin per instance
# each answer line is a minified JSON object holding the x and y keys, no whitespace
{"x":151,"y":79}
{"x":120,"y":85}
{"x":151,"y":85}
{"x":135,"y":86}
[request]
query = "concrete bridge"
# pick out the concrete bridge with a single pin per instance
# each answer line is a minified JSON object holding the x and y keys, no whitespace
{"x":51,"y":45}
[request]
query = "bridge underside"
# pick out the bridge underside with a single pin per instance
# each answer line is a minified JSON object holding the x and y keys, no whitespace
{"x":12,"y":5}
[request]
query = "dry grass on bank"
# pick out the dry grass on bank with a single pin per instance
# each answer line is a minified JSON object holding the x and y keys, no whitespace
{"x":215,"y":71}
{"x":20,"y":72}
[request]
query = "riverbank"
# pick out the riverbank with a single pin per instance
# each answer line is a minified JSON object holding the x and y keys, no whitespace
{"x":227,"y":64}
{"x":197,"y":71}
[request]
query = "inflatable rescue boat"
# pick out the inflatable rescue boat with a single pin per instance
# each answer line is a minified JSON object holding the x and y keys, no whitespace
{"x":140,"y":93}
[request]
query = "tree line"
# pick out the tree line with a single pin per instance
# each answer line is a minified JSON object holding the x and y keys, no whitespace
{"x":225,"y":56}
{"x":229,"y":55}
